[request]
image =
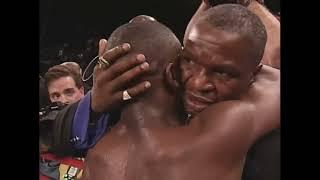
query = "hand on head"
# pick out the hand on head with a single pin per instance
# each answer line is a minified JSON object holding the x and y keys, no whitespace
{"x":109,"y":80}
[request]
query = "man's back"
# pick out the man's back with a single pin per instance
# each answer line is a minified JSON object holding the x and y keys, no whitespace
{"x":213,"y":146}
{"x":108,"y":158}
{"x":156,"y":155}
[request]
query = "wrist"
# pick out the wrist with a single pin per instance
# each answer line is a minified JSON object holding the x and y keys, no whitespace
{"x":93,"y":107}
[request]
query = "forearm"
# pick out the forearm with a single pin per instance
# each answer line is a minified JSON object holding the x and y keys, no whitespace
{"x":271,"y":55}
{"x":227,"y":125}
{"x":87,"y":127}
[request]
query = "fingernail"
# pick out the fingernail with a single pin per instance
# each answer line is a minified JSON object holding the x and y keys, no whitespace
{"x":145,"y":65}
{"x":126,"y":46}
{"x":102,"y":41}
{"x":147,"y":84}
{"x":141,"y":57}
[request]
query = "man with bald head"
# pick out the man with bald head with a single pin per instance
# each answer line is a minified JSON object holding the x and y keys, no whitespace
{"x":107,"y":99}
{"x":151,"y":141}
{"x":156,"y":109}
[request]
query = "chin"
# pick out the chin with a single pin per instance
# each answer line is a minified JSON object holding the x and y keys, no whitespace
{"x":192,"y":111}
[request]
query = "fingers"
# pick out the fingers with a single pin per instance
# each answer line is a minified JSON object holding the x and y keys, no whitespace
{"x":135,"y":91}
{"x":102,"y":46}
{"x":120,"y":67}
{"x":126,"y":77}
{"x":112,"y":54}
{"x":96,"y":71}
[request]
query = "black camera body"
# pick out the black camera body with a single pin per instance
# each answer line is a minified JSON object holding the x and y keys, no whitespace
{"x":50,"y":112}
{"x":47,"y":117}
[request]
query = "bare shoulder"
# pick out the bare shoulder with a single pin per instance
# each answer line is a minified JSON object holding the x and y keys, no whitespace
{"x":241,"y":122}
{"x":268,"y":74}
{"x":110,"y":143}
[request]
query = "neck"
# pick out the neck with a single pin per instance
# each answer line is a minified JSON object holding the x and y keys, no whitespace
{"x":155,"y":109}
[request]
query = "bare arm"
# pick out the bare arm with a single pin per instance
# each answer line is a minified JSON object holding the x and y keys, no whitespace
{"x":202,"y":8}
{"x":235,"y":125}
{"x":226,"y":128}
{"x":271,"y":55}
{"x":265,"y":95}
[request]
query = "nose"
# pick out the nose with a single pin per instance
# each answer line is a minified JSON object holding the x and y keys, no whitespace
{"x":63,"y":99}
{"x":200,"y":82}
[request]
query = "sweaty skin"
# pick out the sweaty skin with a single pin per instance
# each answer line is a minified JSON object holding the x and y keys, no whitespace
{"x":145,"y":145}
{"x":213,"y":146}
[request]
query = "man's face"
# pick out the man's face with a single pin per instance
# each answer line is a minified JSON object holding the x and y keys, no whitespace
{"x":64,"y":90}
{"x":215,"y":66}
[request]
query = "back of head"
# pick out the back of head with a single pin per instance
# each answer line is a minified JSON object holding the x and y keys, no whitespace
{"x":142,"y":18}
{"x":151,"y":38}
{"x":160,"y":47}
{"x":235,"y":18}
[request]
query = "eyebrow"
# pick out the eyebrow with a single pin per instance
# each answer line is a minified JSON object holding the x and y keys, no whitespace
{"x":54,"y":93}
{"x":68,"y":89}
{"x":226,"y":67}
{"x":208,"y":43}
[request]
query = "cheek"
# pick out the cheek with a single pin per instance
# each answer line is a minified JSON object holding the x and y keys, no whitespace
{"x":228,"y":89}
{"x":77,"y":94}
{"x":80,"y":93}
{"x":52,"y":100}
{"x":184,"y":73}
{"x":187,"y":71}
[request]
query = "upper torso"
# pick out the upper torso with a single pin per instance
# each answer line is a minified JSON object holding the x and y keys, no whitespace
{"x":190,"y":152}
{"x":156,"y":156}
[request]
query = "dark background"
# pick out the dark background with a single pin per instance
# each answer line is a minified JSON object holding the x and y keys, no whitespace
{"x":71,"y":29}
{"x":74,"y":27}
{"x":62,"y":20}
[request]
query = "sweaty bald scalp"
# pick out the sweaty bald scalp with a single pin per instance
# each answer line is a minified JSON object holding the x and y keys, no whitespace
{"x":151,"y":38}
{"x":238,"y":19}
{"x":142,"y":18}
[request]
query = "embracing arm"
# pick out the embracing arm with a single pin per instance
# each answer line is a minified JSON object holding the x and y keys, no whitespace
{"x":271,"y":56}
{"x":226,"y":127}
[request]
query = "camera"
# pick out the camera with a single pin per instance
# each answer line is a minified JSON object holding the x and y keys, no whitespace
{"x":51,"y":111}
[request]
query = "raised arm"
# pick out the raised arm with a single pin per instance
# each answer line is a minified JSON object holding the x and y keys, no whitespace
{"x":271,"y":55}
{"x":202,"y":8}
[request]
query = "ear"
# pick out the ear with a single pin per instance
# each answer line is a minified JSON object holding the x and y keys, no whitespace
{"x":255,"y":72}
{"x":170,"y":76}
{"x":82,"y":90}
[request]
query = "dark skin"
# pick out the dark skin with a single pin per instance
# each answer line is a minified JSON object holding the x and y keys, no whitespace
{"x":211,"y":68}
{"x":109,"y":82}
{"x":148,"y":144}
{"x":272,"y":51}
{"x":110,"y":97}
